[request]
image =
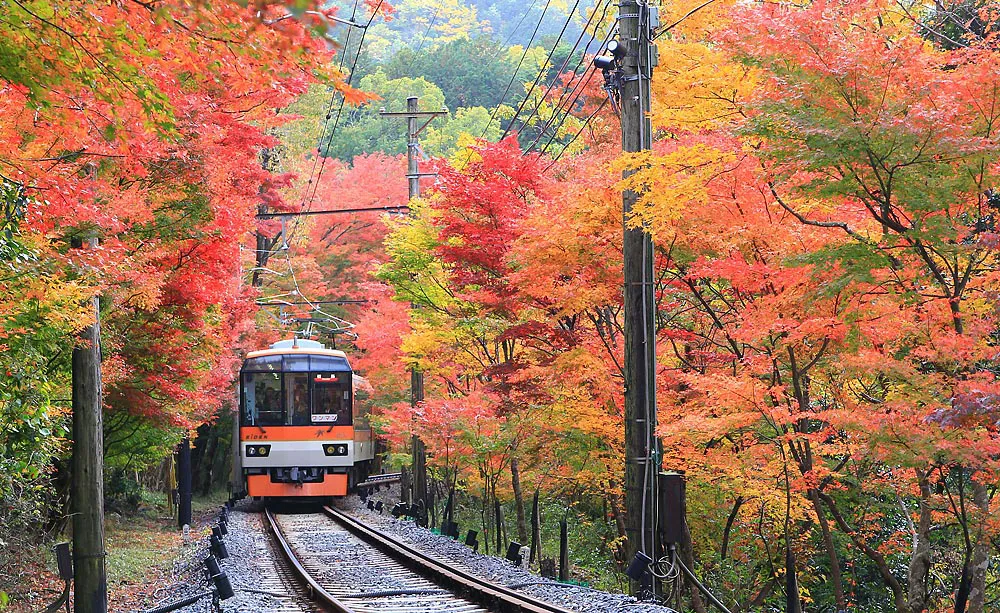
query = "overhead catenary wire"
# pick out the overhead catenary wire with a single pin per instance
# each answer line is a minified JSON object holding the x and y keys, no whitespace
{"x":340,"y":110}
{"x":307,"y":201}
{"x":329,"y":109}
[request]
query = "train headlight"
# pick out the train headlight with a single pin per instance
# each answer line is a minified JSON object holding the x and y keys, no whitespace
{"x":259,"y":450}
{"x":251,"y":450}
{"x":332,"y":449}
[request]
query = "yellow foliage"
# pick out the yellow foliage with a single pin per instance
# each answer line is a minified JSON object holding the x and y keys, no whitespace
{"x":696,"y":87}
{"x":669,"y":183}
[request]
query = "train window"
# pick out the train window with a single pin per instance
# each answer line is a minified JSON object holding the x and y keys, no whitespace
{"x":297,"y":399}
{"x":331,"y":398}
{"x":262,"y":402}
{"x":296,"y":363}
{"x":267,"y":363}
{"x":327,"y":363}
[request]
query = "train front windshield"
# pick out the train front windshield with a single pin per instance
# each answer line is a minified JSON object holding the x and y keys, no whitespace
{"x":296,"y":390}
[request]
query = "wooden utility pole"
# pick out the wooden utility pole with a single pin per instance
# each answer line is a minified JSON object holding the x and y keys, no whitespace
{"x":413,"y":175}
{"x":642,"y":463}
{"x":185,"y":483}
{"x":91,"y":590}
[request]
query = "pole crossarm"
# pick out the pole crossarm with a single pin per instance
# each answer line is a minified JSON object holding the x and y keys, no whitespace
{"x":430,"y":115}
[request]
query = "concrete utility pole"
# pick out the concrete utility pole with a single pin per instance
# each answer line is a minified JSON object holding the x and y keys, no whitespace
{"x":642,"y":462}
{"x":413,"y":175}
{"x":91,"y":590}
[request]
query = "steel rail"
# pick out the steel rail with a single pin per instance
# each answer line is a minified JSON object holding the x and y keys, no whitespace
{"x":383,"y":479}
{"x":316,"y":591}
{"x":497,"y":597}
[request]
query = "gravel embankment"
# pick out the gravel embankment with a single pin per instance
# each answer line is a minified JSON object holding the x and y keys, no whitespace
{"x":250,"y":567}
{"x":494,"y":569}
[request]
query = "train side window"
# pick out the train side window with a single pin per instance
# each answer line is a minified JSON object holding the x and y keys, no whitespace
{"x":331,"y":398}
{"x":263,"y":404}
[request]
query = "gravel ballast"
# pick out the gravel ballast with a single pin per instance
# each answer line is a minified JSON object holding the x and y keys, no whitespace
{"x":251,"y":569}
{"x":491,"y":568}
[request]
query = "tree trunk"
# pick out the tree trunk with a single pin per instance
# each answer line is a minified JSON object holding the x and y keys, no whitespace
{"x":831,"y":552}
{"x":536,"y":531}
{"x":171,"y":484}
{"x":918,"y":592}
{"x":687,"y":552}
{"x":207,"y":461}
{"x":616,"y":514}
{"x":980,"y":552}
{"x":515,"y":482}
{"x":724,"y":552}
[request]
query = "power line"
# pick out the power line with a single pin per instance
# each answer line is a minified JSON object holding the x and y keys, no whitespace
{"x":343,"y":100}
{"x":541,"y":71}
{"x":575,"y":136}
{"x":329,"y":108}
{"x":303,"y":302}
{"x":562,"y":69}
{"x":567,"y":92}
{"x":386,"y":209}
{"x":578,"y":89}
{"x":416,"y":52}
{"x":307,"y":202}
{"x":527,"y":48}
{"x":582,"y":86}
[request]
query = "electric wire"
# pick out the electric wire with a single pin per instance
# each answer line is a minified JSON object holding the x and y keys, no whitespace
{"x":562,"y":70}
{"x":567,"y":92}
{"x":340,"y":110}
{"x":316,"y":160}
{"x":322,"y":165}
{"x":580,"y":88}
{"x":541,"y":71}
{"x":329,"y":109}
{"x":572,"y":140}
{"x":510,"y":83}
{"x":416,"y":52}
{"x":567,"y":114}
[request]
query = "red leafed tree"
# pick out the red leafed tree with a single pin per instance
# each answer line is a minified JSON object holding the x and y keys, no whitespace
{"x":117,"y":127}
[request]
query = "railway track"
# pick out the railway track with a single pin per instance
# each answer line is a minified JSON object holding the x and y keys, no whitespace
{"x":351,"y":568}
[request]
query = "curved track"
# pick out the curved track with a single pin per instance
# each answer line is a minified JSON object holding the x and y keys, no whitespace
{"x":351,"y":568}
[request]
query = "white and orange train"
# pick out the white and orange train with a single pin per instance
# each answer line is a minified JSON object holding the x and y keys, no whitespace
{"x":302,"y":430}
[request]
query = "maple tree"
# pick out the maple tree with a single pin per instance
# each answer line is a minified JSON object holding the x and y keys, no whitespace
{"x":116,"y":127}
{"x":822,"y":201}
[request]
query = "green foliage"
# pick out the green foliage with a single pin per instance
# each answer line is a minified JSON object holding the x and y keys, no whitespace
{"x":471,"y":72}
{"x":362,"y":130}
{"x":134,"y":442}
{"x":122,"y":492}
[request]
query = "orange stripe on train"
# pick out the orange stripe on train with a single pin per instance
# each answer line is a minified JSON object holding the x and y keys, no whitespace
{"x":296,"y":433}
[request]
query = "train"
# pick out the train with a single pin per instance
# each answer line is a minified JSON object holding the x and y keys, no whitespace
{"x":302,"y":431}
